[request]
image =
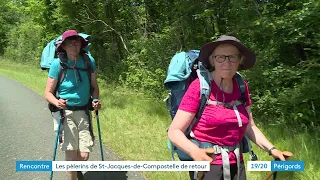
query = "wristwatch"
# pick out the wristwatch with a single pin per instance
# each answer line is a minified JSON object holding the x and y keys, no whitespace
{"x":271,"y":150}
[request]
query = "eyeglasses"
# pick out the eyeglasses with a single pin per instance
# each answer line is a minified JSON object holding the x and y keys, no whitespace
{"x":73,"y":43}
{"x":231,"y":58}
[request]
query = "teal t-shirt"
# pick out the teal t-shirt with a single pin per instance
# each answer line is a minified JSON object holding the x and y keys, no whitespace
{"x":77,"y":93}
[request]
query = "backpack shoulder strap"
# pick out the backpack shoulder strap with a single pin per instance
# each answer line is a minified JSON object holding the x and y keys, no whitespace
{"x":89,"y":69}
{"x":205,"y":89}
{"x":62,"y":71}
{"x":205,"y":82}
{"x":241,"y":86}
{"x":88,"y":65}
{"x":87,"y":62}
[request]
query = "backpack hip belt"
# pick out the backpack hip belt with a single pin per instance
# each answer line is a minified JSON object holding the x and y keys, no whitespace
{"x":77,"y":108}
{"x":224,"y":150}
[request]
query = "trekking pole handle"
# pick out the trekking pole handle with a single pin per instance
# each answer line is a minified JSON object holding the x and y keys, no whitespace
{"x":95,"y":101}
{"x":286,"y":155}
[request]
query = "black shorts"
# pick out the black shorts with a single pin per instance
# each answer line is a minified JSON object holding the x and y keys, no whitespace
{"x":216,"y":172}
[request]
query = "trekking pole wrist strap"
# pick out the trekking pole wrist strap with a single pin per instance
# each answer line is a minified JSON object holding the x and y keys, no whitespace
{"x":270,"y":150}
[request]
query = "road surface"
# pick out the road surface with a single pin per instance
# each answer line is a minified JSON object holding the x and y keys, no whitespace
{"x":26,"y":133}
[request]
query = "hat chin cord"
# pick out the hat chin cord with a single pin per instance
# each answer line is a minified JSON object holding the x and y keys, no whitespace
{"x":221,"y":87}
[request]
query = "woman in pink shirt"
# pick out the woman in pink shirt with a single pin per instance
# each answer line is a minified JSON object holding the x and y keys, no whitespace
{"x":218,"y":124}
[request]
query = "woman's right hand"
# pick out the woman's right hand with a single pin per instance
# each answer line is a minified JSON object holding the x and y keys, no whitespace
{"x":61,"y":104}
{"x":202,"y":155}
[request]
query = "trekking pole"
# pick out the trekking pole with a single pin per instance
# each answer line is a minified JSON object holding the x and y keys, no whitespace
{"x":99,"y":132}
{"x":286,"y":155}
{"x":57,"y":137}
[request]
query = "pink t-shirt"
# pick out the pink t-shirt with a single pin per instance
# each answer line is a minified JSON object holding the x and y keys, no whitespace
{"x":218,"y":125}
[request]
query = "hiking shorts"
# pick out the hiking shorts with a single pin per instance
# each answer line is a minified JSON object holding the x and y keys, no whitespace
{"x":76,"y":134}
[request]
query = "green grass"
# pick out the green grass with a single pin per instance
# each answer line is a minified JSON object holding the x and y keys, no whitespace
{"x":135,"y":128}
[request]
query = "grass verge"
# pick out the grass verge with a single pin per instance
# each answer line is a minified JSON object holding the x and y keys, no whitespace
{"x":135,"y":128}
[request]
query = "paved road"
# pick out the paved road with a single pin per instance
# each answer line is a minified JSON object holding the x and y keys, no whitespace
{"x":26,"y":133}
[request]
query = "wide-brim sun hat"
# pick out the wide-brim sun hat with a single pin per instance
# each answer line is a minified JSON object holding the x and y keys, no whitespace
{"x":72,"y":33}
{"x":249,"y":56}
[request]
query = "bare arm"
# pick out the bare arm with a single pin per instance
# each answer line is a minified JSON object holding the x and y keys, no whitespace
{"x":94,"y":85}
{"x":176,"y":131}
{"x":51,"y":85}
{"x":255,"y":135}
{"x":180,"y":123}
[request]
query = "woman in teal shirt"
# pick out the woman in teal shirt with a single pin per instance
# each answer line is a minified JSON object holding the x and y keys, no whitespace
{"x":74,"y":94}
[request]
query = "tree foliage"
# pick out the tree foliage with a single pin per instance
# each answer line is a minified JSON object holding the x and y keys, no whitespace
{"x":134,"y":40}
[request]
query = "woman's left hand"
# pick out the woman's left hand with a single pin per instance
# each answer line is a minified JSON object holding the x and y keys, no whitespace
{"x":277,"y":154}
{"x":96,"y":105}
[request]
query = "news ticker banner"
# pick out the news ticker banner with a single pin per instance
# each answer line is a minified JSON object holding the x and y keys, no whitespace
{"x":112,"y":166}
{"x":275,"y":166}
{"x":33,"y":166}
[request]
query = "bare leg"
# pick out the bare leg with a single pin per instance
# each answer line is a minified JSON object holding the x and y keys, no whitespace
{"x":83,"y":156}
{"x":71,"y":156}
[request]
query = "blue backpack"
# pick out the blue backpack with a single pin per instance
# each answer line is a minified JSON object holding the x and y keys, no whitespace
{"x":183,"y":69}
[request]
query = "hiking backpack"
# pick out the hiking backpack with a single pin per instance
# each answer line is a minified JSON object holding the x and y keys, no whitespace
{"x":183,"y":69}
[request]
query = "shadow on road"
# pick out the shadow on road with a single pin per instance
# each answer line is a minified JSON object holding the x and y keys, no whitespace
{"x":98,"y":175}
